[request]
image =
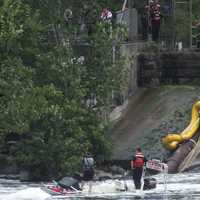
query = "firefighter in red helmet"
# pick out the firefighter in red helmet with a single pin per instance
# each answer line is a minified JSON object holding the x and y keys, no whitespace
{"x":137,"y":164}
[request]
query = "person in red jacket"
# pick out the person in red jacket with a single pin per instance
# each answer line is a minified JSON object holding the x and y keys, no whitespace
{"x":137,"y":164}
{"x":155,"y":21}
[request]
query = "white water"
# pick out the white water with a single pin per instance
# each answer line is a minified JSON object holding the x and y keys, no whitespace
{"x":179,"y":186}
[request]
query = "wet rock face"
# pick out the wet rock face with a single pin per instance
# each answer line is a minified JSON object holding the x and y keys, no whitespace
{"x":150,"y":116}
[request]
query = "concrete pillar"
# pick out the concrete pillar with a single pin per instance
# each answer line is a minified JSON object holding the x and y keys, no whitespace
{"x":132,"y":21}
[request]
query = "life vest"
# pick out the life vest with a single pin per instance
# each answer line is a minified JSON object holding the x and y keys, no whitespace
{"x":155,"y":7}
{"x":139,"y":160}
{"x":156,"y":16}
{"x":106,"y":15}
{"x":88,"y":163}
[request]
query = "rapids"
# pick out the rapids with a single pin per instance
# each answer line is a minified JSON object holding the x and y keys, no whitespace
{"x":179,"y":186}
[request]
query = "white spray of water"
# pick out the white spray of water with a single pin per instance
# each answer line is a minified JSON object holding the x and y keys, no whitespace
{"x":177,"y":184}
{"x":109,"y":186}
{"x":26,"y":194}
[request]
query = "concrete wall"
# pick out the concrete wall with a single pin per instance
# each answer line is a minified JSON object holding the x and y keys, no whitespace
{"x":168,"y":68}
{"x":129,"y":52}
{"x":123,"y":17}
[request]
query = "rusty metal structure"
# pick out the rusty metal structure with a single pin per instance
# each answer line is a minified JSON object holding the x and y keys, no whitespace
{"x":184,"y":144}
{"x":179,"y":155}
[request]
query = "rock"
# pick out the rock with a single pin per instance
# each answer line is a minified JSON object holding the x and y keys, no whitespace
{"x":117,"y":170}
{"x":104,"y":178}
{"x":10,"y":176}
{"x":101,"y":173}
{"x":24,"y":175}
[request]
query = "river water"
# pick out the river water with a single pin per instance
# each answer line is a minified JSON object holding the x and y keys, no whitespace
{"x":179,"y":187}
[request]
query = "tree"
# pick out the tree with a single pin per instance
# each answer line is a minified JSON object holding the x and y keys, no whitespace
{"x":44,"y":91}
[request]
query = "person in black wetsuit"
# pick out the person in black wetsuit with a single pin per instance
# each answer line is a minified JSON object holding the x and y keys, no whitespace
{"x":88,"y":167}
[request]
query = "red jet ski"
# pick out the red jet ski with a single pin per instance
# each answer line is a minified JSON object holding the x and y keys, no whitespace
{"x":65,"y":186}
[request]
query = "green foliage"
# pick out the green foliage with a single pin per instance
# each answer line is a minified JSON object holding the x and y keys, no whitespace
{"x":104,"y":74}
{"x":15,"y":78}
{"x":182,"y":17}
{"x":44,"y":91}
{"x":195,"y":10}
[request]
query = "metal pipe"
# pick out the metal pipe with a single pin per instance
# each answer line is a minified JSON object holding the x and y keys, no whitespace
{"x":190,"y":1}
{"x":178,"y":156}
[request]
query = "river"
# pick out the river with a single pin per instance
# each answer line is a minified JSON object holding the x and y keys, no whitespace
{"x":179,"y":186}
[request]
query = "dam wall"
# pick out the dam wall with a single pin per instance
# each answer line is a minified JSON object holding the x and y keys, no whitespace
{"x":162,"y":68}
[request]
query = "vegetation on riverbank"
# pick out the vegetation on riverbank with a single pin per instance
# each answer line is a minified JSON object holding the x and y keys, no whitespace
{"x":53,"y":105}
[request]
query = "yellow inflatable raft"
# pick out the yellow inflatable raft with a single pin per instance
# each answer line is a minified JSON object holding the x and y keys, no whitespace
{"x":171,"y":141}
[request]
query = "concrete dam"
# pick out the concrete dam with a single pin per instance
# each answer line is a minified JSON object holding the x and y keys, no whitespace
{"x":162,"y":104}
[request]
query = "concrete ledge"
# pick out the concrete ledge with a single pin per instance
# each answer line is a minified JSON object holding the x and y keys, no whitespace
{"x":116,"y":114}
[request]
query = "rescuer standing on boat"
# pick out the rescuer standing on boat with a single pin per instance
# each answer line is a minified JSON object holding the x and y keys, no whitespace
{"x":137,"y":164}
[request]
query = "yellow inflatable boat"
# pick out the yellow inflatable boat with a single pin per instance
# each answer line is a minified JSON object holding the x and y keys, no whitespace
{"x":171,"y":141}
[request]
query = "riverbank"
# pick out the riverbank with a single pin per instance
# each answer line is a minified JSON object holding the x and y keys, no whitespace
{"x":147,"y":116}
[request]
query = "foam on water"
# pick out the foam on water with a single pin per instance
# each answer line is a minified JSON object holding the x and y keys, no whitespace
{"x":179,"y":186}
{"x":108,"y":186}
{"x":26,"y":194}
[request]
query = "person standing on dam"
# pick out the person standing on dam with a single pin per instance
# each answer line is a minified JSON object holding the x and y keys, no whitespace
{"x":137,"y":165}
{"x":155,"y":20}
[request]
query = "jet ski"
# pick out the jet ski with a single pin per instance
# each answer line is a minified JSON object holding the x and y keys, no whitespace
{"x":69,"y":186}
{"x":65,"y":186}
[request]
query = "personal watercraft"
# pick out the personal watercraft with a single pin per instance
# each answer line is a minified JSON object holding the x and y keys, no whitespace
{"x":69,"y":186}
